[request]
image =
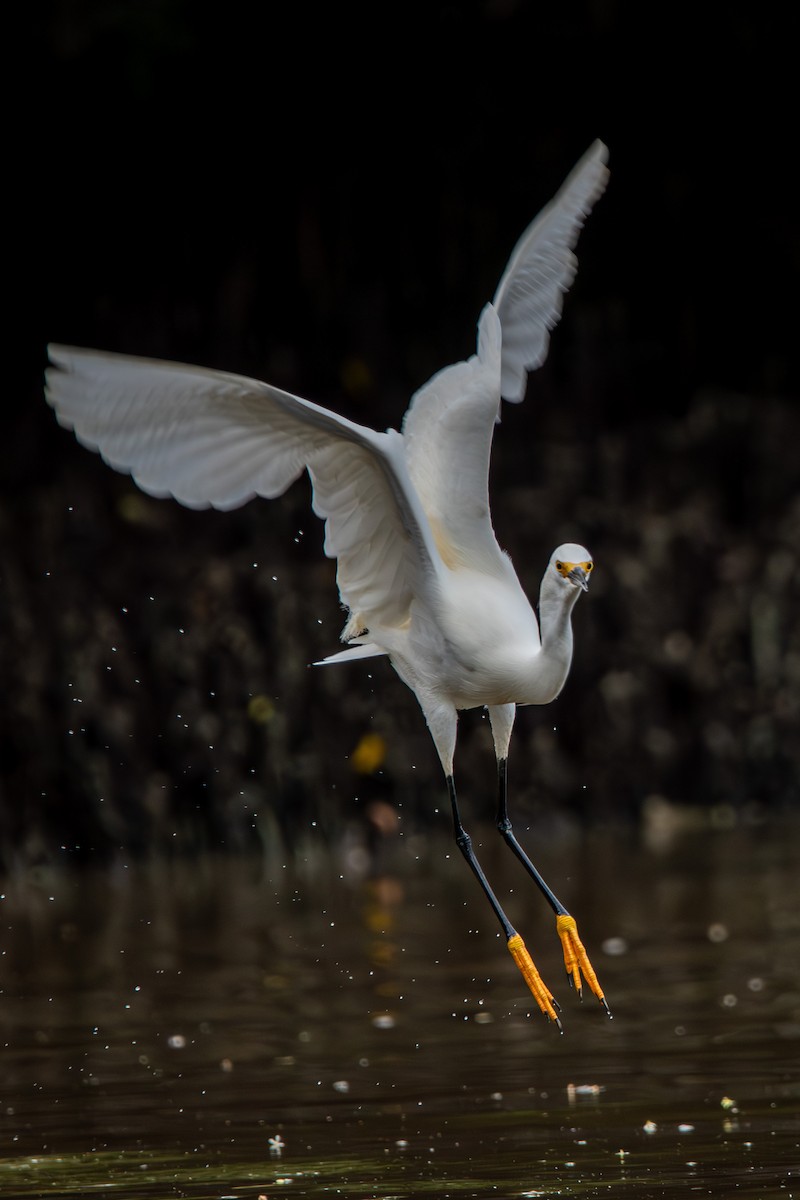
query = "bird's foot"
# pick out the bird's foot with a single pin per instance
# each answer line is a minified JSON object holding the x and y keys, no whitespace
{"x":541,"y":993}
{"x":576,"y":960}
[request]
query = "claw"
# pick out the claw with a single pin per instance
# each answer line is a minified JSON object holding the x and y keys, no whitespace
{"x":541,"y":993}
{"x":576,"y":960}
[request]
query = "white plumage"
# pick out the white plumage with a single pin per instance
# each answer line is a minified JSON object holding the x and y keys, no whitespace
{"x":406,"y":514}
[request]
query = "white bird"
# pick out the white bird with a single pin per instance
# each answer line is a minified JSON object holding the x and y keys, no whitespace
{"x":407,"y":514}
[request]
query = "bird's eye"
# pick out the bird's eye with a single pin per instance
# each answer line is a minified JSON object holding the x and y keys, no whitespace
{"x":559,"y":566}
{"x":588,"y":567}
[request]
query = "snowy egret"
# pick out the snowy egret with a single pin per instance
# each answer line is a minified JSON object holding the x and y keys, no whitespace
{"x":407,"y":514}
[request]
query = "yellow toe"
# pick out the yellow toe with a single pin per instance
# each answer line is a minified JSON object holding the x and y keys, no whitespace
{"x":576,"y":960}
{"x":541,"y":993}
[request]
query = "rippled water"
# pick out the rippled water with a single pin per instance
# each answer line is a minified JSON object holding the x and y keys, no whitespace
{"x":248,"y":1028}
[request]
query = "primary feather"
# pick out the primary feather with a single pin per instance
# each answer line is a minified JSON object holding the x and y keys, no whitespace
{"x":541,"y":268}
{"x":213,"y":438}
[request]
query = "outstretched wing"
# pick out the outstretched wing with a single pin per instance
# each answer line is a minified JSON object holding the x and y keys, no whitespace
{"x":212,"y":438}
{"x":449,"y":425}
{"x":529,"y":296}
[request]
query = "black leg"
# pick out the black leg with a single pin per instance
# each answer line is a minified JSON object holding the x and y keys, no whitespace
{"x":576,"y":960}
{"x":504,"y":825}
{"x":464,"y":843}
{"x":516,"y":946}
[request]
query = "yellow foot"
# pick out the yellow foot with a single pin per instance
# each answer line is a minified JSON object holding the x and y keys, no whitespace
{"x":576,"y":960}
{"x":541,"y":993}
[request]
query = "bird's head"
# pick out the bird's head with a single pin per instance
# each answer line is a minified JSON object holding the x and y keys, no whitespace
{"x":573,"y":564}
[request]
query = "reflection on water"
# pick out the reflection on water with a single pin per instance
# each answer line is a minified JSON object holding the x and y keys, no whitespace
{"x":237,"y":1027}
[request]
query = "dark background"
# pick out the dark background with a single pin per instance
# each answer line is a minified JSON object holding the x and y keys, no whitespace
{"x":325,"y":198}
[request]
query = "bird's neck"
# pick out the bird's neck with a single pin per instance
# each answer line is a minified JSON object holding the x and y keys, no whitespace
{"x":555,"y":625}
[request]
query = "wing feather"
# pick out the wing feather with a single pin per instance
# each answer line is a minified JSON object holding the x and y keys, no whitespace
{"x":450,"y":422}
{"x":541,"y":268}
{"x":213,"y":438}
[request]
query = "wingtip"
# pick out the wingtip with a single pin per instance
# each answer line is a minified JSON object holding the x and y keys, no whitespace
{"x":57,"y":355}
{"x":594,"y":162}
{"x":56,"y":362}
{"x":598,"y":151}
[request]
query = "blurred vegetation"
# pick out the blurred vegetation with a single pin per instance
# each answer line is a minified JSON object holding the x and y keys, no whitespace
{"x":158,"y":658}
{"x":154,"y":660}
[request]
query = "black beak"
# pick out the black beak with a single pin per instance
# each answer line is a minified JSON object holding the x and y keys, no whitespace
{"x":578,"y":577}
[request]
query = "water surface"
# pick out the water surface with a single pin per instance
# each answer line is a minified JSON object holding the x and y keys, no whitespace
{"x":248,"y":1027}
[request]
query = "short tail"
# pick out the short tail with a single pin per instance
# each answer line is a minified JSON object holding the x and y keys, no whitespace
{"x":353,"y":651}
